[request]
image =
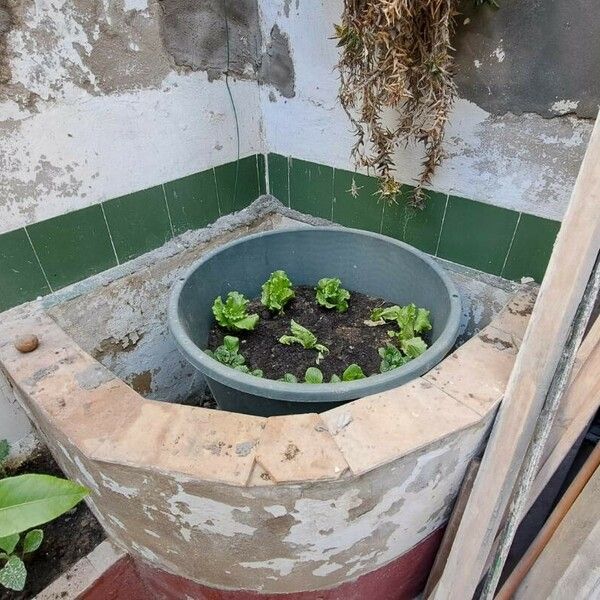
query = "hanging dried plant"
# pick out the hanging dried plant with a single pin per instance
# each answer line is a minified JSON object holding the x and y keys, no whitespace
{"x":397,"y":53}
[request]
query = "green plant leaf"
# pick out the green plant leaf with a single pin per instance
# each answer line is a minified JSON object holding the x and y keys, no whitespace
{"x":331,"y":294}
{"x":352,"y":373}
{"x":233,"y":313}
{"x":335,"y":379}
{"x":257,"y":373}
{"x":4,"y":450}
{"x":313,"y":375}
{"x":33,"y":540}
{"x":231,"y":343}
{"x":13,"y":574}
{"x":413,"y":347}
{"x":30,"y":500}
{"x":392,"y":358}
{"x":289,"y":378}
{"x":422,"y":322}
{"x":9,"y":543}
{"x":380,"y":315}
{"x":277,"y":291}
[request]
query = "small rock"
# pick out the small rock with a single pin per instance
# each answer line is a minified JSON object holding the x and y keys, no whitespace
{"x":27,"y":343}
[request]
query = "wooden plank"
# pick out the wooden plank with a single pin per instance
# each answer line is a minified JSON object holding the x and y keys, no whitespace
{"x":546,"y":532}
{"x":452,"y":527}
{"x":563,"y":561}
{"x":568,"y":272}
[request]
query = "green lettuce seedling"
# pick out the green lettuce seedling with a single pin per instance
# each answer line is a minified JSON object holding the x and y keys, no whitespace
{"x":233,"y":313}
{"x":277,"y":291}
{"x":313,"y":375}
{"x":304,"y":337}
{"x":331,"y":294}
{"x":410,"y":319}
{"x":335,"y":379}
{"x":229,"y":354}
{"x":413,"y":347}
{"x":289,"y":378}
{"x":391,"y":358}
{"x":352,"y":373}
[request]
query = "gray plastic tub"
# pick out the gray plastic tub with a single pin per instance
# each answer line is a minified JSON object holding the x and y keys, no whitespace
{"x":365,"y":262}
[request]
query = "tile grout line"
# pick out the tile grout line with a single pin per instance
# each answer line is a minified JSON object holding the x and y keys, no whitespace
{"x":332,"y":191}
{"x":37,"y":258}
{"x":267,"y":182}
{"x":162,"y":185}
{"x":217,"y":191}
{"x":112,"y":243}
{"x":289,"y":191}
{"x":512,"y":239}
{"x":437,"y":246}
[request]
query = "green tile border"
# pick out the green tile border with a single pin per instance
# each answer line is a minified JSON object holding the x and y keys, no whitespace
{"x":51,"y":254}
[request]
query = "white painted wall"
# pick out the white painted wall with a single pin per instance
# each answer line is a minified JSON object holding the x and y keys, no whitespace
{"x":521,"y":162}
{"x":74,"y":132}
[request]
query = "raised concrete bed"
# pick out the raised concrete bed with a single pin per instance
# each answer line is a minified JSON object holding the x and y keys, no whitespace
{"x":348,"y":504}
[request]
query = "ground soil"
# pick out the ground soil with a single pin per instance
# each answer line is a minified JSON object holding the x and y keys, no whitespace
{"x":66,"y":539}
{"x":345,"y":334}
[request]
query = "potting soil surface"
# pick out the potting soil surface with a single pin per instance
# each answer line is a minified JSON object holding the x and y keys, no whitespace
{"x":345,"y":334}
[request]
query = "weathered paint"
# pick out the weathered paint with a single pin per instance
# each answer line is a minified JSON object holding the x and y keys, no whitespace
{"x":525,"y":162}
{"x":96,"y":108}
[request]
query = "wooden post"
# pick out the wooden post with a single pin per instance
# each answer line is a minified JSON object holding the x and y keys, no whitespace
{"x":568,"y":272}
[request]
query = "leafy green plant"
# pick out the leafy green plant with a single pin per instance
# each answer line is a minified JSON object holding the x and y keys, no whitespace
{"x":413,"y":347}
{"x":352,"y":373}
{"x":307,"y":339}
{"x":331,"y":294}
{"x":391,"y":358}
{"x":277,"y":291}
{"x":229,"y":354}
{"x":289,"y":378}
{"x":27,"y":501}
{"x":335,"y":379}
{"x":4,"y":452}
{"x":410,"y":319}
{"x":233,"y":313}
{"x":313,"y":375}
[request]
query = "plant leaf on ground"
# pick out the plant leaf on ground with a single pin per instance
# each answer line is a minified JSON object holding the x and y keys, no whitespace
{"x":233,"y":313}
{"x":13,"y":574}
{"x":313,"y":375}
{"x":32,"y":540}
{"x":413,"y":347}
{"x":331,"y":294}
{"x":9,"y":543}
{"x":277,"y":291}
{"x":352,"y":373}
{"x":33,"y":499}
{"x":289,"y":378}
{"x":307,"y":339}
{"x":229,"y":354}
{"x":411,"y":320}
{"x":335,"y":379}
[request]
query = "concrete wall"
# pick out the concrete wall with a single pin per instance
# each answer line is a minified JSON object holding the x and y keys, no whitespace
{"x":95,"y":101}
{"x":514,"y":139}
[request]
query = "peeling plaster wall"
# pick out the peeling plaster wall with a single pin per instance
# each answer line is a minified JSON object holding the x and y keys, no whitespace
{"x":497,"y":153}
{"x":93,"y":106}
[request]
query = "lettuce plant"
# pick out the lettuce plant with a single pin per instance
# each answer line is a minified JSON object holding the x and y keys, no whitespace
{"x":233,"y":313}
{"x":313,"y":375}
{"x":289,"y":378}
{"x":277,"y":291}
{"x":331,"y":294}
{"x":352,"y":373}
{"x":413,"y":347}
{"x":229,"y":354}
{"x":307,"y":339}
{"x":335,"y":379}
{"x":391,"y":358}
{"x":27,"y":501}
{"x":410,"y":319}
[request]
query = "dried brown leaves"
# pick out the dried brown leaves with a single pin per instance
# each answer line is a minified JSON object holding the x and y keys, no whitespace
{"x":397,"y":53}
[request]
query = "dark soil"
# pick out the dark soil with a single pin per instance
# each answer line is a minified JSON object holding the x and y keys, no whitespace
{"x":66,"y":539}
{"x":349,"y":340}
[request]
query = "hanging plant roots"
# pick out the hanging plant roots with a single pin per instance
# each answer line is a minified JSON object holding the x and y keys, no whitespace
{"x":397,"y":54}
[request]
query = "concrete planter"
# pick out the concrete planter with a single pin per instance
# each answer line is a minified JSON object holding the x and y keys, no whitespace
{"x":366,"y":262}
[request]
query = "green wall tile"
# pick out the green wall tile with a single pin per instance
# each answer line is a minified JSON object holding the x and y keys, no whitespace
{"x":21,"y":277}
{"x":73,"y":246}
{"x":230,"y":199}
{"x":477,"y":235}
{"x":278,"y":178}
{"x":311,"y":188}
{"x":138,"y":222}
{"x":531,"y":248}
{"x":419,"y":228}
{"x":356,"y":205}
{"x":260,"y":166}
{"x":192,"y":201}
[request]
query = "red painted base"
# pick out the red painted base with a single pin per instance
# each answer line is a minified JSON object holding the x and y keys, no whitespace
{"x":402,"y":579}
